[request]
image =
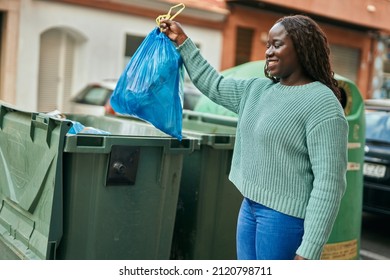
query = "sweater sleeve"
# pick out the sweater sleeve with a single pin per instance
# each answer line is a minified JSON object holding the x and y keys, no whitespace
{"x":227,"y":92}
{"x":327,"y":145}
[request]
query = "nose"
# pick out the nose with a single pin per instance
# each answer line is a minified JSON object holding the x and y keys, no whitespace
{"x":269,"y":51}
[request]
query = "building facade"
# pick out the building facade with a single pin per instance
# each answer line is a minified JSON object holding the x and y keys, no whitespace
{"x":358,"y":33}
{"x":50,"y":49}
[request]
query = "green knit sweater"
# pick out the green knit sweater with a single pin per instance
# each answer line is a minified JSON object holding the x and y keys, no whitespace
{"x":290,"y":152}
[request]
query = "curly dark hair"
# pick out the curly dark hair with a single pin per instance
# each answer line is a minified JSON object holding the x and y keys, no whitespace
{"x":311,"y":45}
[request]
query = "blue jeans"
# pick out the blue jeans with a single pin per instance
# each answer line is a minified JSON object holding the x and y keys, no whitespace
{"x":266,"y":234}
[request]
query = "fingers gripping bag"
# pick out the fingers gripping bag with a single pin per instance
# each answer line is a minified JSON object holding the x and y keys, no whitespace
{"x":151,"y":86}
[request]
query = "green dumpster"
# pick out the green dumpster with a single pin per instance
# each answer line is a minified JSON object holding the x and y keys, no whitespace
{"x":86,"y":196}
{"x":344,"y":242}
{"x":208,"y":202}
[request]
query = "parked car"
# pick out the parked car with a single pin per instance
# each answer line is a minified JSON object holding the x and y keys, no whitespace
{"x":94,"y":98}
{"x":376,"y":196}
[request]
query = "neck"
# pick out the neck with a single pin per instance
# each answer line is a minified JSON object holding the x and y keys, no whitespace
{"x":298,"y":81}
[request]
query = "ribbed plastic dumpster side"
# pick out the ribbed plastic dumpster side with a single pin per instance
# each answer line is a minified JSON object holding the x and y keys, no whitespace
{"x":208,"y":203}
{"x":30,"y":184}
{"x":120,"y":217}
{"x":97,"y":197}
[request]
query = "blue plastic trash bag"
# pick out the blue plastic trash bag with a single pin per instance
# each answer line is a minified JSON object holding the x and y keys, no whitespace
{"x":80,"y":128}
{"x":151,"y":86}
{"x":77,"y":127}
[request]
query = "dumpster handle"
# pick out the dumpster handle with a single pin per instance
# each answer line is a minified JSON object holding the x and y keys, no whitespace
{"x":223,"y":141}
{"x":3,"y":111}
{"x":46,"y":123}
{"x":185,"y":145}
{"x":210,"y":118}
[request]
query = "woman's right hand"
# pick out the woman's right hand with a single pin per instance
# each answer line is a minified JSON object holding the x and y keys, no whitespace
{"x":173,"y":30}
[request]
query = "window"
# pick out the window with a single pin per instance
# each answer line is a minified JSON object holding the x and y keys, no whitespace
{"x":345,"y":61}
{"x":132,"y":44}
{"x":385,"y":90}
{"x":94,"y":95}
{"x":243,"y":45}
{"x":378,"y":126}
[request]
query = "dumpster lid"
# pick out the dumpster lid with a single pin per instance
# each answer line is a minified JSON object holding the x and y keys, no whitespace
{"x":218,"y":132}
{"x":31,"y":147}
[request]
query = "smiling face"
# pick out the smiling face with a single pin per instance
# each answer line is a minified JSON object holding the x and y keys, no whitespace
{"x":281,"y":58}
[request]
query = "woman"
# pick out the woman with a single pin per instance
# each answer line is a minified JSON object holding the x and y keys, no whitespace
{"x":290,"y":155}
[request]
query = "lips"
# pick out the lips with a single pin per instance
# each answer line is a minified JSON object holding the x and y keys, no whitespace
{"x":271,"y":63}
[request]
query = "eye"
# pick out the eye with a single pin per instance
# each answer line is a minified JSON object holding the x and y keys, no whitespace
{"x":275,"y":45}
